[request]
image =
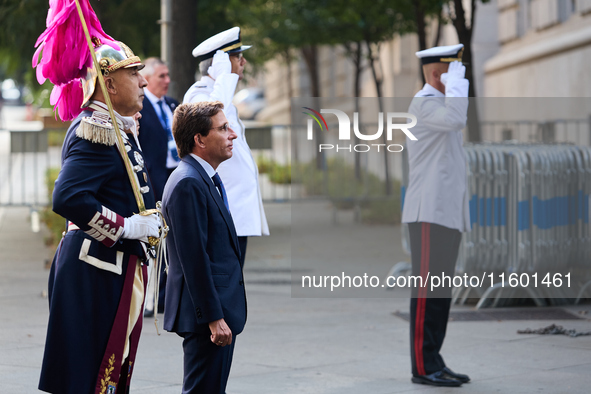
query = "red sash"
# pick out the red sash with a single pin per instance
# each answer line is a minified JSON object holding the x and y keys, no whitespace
{"x":111,"y":369}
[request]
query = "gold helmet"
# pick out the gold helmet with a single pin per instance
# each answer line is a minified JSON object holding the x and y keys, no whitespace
{"x":109,"y":60}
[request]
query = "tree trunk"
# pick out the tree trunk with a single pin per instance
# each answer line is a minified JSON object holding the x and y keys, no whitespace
{"x":288,"y":59}
{"x":378,"y":80}
{"x":465,"y":37}
{"x":421,"y":31}
{"x":421,"y":25}
{"x":439,"y":29}
{"x":355,"y":53}
{"x":310,"y":54}
{"x":183,"y":65}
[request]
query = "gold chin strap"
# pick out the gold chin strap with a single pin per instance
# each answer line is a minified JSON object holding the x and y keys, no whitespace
{"x":450,"y":59}
{"x":453,"y":59}
{"x":237,"y":45}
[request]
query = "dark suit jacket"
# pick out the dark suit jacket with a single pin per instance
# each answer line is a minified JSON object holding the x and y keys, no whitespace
{"x":154,"y":141}
{"x":205,"y":281}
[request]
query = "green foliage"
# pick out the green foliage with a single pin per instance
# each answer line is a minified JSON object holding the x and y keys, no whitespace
{"x":22,"y":22}
{"x":346,"y":191}
{"x":54,"y":222}
{"x":278,"y":173}
{"x":264,"y":164}
{"x":383,"y":211}
{"x":56,"y":138}
{"x":133,"y":22}
{"x":280,"y":25}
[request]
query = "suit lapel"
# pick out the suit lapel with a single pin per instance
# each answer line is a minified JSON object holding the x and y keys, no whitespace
{"x":217,"y":198}
{"x":170,"y":103}
{"x":151,"y":111}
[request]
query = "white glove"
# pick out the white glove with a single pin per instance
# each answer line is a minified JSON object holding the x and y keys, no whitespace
{"x":220,"y":65}
{"x":141,"y":227}
{"x":455,"y":71}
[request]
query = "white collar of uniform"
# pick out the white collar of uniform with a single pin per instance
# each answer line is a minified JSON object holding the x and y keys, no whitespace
{"x":428,"y":89}
{"x":206,"y":166}
{"x":124,"y":122}
{"x":208,"y":81}
{"x":152,"y":97}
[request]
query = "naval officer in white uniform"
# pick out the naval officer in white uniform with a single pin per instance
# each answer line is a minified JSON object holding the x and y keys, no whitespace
{"x":436,"y":205}
{"x":222,"y":66}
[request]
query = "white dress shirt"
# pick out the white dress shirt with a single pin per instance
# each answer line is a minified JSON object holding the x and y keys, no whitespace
{"x":170,"y":162}
{"x":208,"y":169}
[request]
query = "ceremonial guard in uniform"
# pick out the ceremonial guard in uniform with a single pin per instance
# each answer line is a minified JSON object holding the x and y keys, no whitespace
{"x":436,"y":205}
{"x":222,"y":66}
{"x":98,"y":276}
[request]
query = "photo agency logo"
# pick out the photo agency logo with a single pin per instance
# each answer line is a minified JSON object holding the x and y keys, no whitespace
{"x":392,"y":123}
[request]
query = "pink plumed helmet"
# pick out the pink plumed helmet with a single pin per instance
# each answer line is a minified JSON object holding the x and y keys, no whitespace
{"x":63,"y":56}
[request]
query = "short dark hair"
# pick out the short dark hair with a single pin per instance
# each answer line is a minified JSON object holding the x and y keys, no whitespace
{"x":191,"y":119}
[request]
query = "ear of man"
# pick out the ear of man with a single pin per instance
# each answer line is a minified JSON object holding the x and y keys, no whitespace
{"x":111,"y":84}
{"x":199,"y":141}
{"x":111,"y":89}
{"x":432,"y":73}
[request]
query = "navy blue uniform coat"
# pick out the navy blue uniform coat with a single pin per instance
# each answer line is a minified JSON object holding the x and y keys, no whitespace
{"x":205,"y":281}
{"x":154,"y":141}
{"x":87,"y":274}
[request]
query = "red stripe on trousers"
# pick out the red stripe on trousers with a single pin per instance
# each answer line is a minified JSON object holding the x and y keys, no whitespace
{"x":421,"y":301}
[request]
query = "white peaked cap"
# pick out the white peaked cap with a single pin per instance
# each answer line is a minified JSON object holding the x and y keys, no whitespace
{"x":227,"y":41}
{"x":443,"y":54}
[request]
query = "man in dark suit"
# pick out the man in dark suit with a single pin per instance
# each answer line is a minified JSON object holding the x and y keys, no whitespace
{"x":158,"y":147}
{"x":155,"y":134}
{"x":205,"y":301}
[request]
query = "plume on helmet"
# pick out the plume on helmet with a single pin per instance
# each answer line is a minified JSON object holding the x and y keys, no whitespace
{"x":63,"y":55}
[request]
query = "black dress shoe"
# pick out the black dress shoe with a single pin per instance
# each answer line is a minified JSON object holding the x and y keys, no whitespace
{"x":461,"y":377}
{"x":438,"y":378}
{"x":149,"y":313}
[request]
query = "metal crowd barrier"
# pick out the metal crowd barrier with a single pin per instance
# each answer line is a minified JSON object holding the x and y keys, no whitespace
{"x":529,"y":210}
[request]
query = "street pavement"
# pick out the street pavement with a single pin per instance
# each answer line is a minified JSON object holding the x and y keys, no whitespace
{"x":297,"y":345}
{"x":322,"y":344}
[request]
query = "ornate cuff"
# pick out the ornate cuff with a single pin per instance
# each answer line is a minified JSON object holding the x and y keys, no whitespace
{"x":106,"y":227}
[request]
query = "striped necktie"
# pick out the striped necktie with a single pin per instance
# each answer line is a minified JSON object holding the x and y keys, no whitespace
{"x":164,"y":122}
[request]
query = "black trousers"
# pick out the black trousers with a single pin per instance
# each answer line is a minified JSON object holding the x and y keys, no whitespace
{"x":434,"y":250}
{"x":162,"y":288}
{"x":206,"y":365}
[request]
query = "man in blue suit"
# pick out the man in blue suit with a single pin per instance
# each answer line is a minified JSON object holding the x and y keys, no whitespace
{"x":205,"y":300}
{"x":155,"y":134}
{"x":158,"y":147}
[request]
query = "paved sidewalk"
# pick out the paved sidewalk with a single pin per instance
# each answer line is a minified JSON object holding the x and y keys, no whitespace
{"x":298,"y":345}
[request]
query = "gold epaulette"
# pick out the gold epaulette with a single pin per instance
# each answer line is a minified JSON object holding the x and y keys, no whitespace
{"x":97,"y":129}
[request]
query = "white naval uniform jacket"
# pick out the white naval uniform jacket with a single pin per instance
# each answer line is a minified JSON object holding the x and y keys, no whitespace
{"x":437,"y":191}
{"x":240,"y":173}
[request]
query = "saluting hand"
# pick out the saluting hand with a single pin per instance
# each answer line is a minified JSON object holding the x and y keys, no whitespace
{"x":455,"y":71}
{"x":221,"y":334}
{"x":220,"y":65}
